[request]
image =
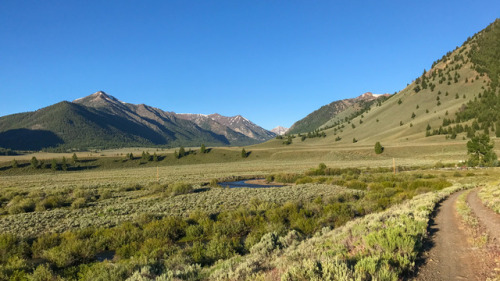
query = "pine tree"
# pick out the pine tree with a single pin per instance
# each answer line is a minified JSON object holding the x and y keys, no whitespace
{"x":34,"y":163}
{"x":75,"y":158}
{"x":155,"y":157}
{"x":244,"y":154}
{"x":64,"y":165}
{"x":480,"y":149}
{"x":182,"y":152}
{"x":53,"y":165}
{"x":378,"y":148}
{"x":203,"y":149}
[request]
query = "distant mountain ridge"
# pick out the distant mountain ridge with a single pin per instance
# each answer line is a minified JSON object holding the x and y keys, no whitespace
{"x":279,"y":130}
{"x":322,"y":116}
{"x":231,"y":127}
{"x":103,"y":121}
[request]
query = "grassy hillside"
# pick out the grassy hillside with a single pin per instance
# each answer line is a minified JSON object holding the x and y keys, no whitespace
{"x":454,"y":100}
{"x":330,"y":114}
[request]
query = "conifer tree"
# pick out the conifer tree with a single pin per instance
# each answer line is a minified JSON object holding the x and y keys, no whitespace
{"x":34,"y":163}
{"x":378,"y":148}
{"x":53,"y":164}
{"x":480,"y":149}
{"x":182,"y":152}
{"x":64,"y":165}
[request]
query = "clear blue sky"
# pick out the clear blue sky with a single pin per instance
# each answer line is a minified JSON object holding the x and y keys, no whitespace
{"x":271,"y":61}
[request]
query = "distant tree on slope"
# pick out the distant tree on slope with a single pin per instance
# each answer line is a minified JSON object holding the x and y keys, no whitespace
{"x":378,"y":148}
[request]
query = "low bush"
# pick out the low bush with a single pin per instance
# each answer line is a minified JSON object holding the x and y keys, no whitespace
{"x":180,"y":188}
{"x":79,"y":203}
{"x":304,"y":180}
{"x":287,"y":178}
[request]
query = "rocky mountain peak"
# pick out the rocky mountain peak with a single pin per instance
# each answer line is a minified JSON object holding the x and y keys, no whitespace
{"x":280,"y":130}
{"x":97,"y":99}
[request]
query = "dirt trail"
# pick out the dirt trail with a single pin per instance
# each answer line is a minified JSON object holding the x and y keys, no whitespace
{"x":451,"y":256}
{"x":487,"y":217}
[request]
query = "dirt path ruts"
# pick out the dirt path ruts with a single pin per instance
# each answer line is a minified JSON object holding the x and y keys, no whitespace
{"x":450,"y":257}
{"x":487,"y":217}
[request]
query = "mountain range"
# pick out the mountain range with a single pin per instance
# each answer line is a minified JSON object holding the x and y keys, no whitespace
{"x":102,"y":121}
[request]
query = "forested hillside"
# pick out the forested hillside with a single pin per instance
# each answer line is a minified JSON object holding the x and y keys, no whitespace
{"x":102,"y":121}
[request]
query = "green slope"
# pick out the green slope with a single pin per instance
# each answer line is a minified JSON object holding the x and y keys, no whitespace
{"x":460,"y":90}
{"x":72,"y":126}
{"x":332,"y":113}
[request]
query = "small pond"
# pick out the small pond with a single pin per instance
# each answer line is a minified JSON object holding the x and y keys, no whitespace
{"x":247,"y":184}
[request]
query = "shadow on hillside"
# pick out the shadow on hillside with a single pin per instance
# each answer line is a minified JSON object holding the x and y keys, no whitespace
{"x":26,"y":139}
{"x":82,"y":168}
{"x":86,"y":160}
{"x":8,"y":167}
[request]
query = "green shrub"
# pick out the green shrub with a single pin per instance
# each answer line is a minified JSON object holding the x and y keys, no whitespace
{"x":355,"y":184}
{"x":51,"y":202}
{"x":104,"y":271}
{"x":286,"y":178}
{"x":19,"y":205}
{"x":171,"y":228}
{"x":157,"y":188}
{"x":270,"y":178}
{"x":268,"y":243}
{"x":45,"y":242}
{"x":180,"y":188}
{"x":222,"y":247}
{"x":42,"y":273}
{"x":11,"y":246}
{"x":79,"y":203}
{"x":214,"y":183}
{"x":304,"y":180}
{"x":70,"y":251}
{"x":105,"y":193}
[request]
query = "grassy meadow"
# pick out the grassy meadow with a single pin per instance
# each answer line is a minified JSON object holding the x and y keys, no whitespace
{"x":111,"y":216}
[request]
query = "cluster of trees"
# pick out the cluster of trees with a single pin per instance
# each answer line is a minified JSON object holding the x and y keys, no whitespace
{"x":480,"y":150}
{"x":7,"y":151}
{"x":148,"y":157}
{"x":314,"y":134}
{"x":485,"y":55}
{"x":40,"y":164}
{"x":288,"y":140}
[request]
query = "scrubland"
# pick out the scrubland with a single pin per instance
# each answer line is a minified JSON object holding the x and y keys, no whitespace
{"x":169,"y":220}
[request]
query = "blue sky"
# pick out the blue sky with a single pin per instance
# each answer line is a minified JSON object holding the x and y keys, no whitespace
{"x":271,"y":61}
